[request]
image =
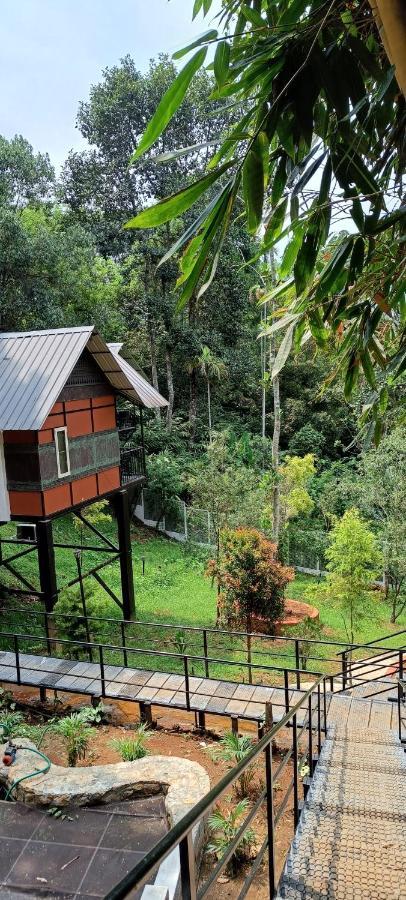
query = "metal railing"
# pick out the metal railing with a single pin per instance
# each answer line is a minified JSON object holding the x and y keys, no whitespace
{"x":401,"y":703}
{"x":181,"y":834}
{"x":132,"y":464}
{"x":246,"y":649}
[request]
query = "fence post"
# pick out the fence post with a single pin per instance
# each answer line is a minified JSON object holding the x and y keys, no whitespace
{"x":205,"y":654}
{"x":187,"y":868}
{"x":186,"y":670}
{"x":310,"y":711}
{"x":125,"y":658}
{"x":270,"y":819}
{"x":185,"y":520}
{"x":102,"y":681}
{"x":297,"y":658}
{"x":295,"y":773}
{"x":249,"y":657}
{"x":286,"y":683}
{"x":17,"y":656}
{"x":344,"y":669}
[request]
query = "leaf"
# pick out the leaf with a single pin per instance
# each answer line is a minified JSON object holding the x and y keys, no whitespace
{"x":210,"y":35}
{"x":389,"y":220}
{"x":275,"y":224}
{"x":170,"y":103}
{"x":178,"y":203}
{"x":333,"y":267}
{"x":194,"y":227}
{"x":251,"y":15}
{"x":254,"y":186}
{"x":279,"y":181}
{"x":325,"y":183}
{"x":368,"y":369}
{"x":308,"y":173}
{"x":283,"y":351}
{"x":351,"y":375}
{"x":221,"y":62}
{"x":170,"y":155}
{"x":290,"y":252}
{"x":357,"y":260}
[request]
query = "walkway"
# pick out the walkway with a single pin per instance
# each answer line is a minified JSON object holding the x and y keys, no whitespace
{"x":349,"y":844}
{"x":206,"y":695}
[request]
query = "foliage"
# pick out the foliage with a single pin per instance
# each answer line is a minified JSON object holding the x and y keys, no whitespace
{"x":250,"y":578}
{"x":69,"y":605}
{"x":131,"y":748}
{"x":294,"y":476}
{"x":232,"y":748}
{"x":165,"y":481}
{"x":314,"y":100}
{"x":11,"y":723}
{"x":353,"y":561}
{"x":76,"y":734}
{"x":309,"y":630}
{"x":25,"y":177}
{"x":223,"y":828}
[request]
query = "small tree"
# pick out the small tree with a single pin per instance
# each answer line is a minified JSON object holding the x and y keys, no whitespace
{"x":213,"y":369}
{"x":165,"y":479}
{"x":353,"y":561}
{"x":251,"y":580}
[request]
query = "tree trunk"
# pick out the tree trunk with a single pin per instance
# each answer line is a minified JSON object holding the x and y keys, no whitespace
{"x":390,"y":20}
{"x":209,"y":405}
{"x":192,"y":404}
{"x":171,"y":393}
{"x":264,"y":313}
{"x":276,"y":497}
{"x":154,"y":369}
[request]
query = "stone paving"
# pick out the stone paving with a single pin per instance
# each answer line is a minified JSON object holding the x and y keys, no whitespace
{"x":349,"y":844}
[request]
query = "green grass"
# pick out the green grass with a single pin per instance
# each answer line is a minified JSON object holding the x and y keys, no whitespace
{"x":174,"y":590}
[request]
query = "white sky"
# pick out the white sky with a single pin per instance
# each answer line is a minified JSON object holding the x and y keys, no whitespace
{"x":54,"y":50}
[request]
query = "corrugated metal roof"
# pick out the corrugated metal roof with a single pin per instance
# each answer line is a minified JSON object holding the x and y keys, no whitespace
{"x":35,"y":365}
{"x":147,"y":394}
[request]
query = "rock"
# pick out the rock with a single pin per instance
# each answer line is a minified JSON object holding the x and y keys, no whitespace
{"x":182,"y":781}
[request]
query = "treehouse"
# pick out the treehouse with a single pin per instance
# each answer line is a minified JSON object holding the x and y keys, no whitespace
{"x":69,"y":405}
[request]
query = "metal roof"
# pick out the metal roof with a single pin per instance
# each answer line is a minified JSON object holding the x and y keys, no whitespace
{"x":35,"y":366}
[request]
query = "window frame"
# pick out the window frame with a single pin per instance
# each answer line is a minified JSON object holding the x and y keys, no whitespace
{"x":56,"y":432}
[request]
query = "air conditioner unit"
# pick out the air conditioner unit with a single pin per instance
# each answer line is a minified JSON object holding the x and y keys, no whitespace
{"x":26,"y":531}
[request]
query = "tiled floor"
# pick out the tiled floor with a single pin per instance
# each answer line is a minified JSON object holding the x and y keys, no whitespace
{"x":81,"y":856}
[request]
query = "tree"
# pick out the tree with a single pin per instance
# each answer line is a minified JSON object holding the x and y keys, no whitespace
{"x":382,"y":487}
{"x":212,"y":369}
{"x":25,"y":177}
{"x":251,"y":580}
{"x":319,"y":137}
{"x":353,"y":561}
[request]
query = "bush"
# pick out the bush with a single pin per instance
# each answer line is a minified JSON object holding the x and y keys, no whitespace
{"x":233,"y":748}
{"x":76,"y":734}
{"x":133,"y":747}
{"x":223,"y":828}
{"x":251,"y":580}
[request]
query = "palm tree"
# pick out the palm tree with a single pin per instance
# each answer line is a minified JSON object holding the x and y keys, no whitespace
{"x":212,"y":368}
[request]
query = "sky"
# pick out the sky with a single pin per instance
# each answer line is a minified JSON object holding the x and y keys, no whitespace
{"x":54,"y":50}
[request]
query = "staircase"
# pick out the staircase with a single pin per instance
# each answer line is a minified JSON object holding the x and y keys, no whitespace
{"x":350,"y":841}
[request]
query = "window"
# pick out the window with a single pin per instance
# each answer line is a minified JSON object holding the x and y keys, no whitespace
{"x":62,"y":451}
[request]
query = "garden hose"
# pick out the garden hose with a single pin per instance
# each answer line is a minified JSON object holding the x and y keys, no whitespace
{"x":31,"y":774}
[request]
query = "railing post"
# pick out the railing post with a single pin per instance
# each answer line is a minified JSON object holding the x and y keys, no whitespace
{"x":324,"y":707}
{"x":310,"y":711}
{"x":102,"y":681}
{"x":46,"y":626}
{"x":270,"y":820}
{"x":344,"y":668}
{"x":400,"y":697}
{"x":318,"y":720}
{"x":187,"y":868}
{"x":297,"y":658}
{"x":286,"y":681}
{"x":295,"y":773}
{"x":205,"y":654}
{"x":249,"y":657}
{"x":17,"y":656}
{"x":401,"y":664}
{"x":186,"y":670}
{"x":125,"y":657}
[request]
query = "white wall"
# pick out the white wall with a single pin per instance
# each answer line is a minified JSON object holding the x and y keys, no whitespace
{"x":4,"y":499}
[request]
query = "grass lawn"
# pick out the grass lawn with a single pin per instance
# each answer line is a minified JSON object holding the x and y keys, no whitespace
{"x":171,"y":588}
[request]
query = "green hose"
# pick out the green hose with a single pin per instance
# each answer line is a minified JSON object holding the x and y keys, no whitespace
{"x":31,"y":775}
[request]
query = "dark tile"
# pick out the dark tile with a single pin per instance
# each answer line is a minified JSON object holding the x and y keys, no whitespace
{"x":18,"y":820}
{"x":82,"y":828}
{"x":40,"y":860}
{"x":107,"y":869}
{"x":10,"y":851}
{"x":133,"y":833}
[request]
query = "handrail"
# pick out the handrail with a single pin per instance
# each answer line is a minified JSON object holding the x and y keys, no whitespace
{"x":181,"y":832}
{"x":370,"y":643}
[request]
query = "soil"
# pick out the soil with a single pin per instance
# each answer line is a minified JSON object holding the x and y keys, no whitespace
{"x":175,"y":735}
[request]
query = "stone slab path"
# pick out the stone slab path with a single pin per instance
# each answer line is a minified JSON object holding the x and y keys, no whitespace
{"x":349,"y":844}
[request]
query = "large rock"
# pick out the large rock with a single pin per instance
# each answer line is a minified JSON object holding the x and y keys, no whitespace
{"x":181,"y":781}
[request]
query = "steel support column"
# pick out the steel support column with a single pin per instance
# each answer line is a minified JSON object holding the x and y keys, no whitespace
{"x":122,"y":512}
{"x":46,"y":563}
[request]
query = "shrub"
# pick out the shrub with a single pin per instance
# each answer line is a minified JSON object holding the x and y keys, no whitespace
{"x":233,"y":748}
{"x":133,"y":747}
{"x":76,"y":734}
{"x":11,"y":725}
{"x":252,"y":581}
{"x":223,"y":828}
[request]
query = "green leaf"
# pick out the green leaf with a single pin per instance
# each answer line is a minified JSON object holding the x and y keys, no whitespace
{"x":308,"y":173}
{"x":254,"y":185}
{"x":333,"y":267}
{"x":251,"y":15}
{"x":275,"y":224}
{"x":279,"y":181}
{"x":290,"y":252}
{"x":170,"y":155}
{"x":207,"y":36}
{"x":178,"y":203}
{"x":325,"y":183}
{"x":169,"y":103}
{"x":221,"y":63}
{"x":284,"y":350}
{"x":368,"y":369}
{"x":351,"y":375}
{"x":196,"y":225}
{"x":357,"y":260}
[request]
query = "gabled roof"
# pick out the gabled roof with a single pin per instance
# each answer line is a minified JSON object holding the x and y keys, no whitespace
{"x":35,"y":366}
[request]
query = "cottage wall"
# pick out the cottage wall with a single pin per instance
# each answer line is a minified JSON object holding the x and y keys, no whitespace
{"x":86,"y":407}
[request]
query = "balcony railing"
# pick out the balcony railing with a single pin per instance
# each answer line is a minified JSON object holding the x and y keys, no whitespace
{"x":132,"y":464}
